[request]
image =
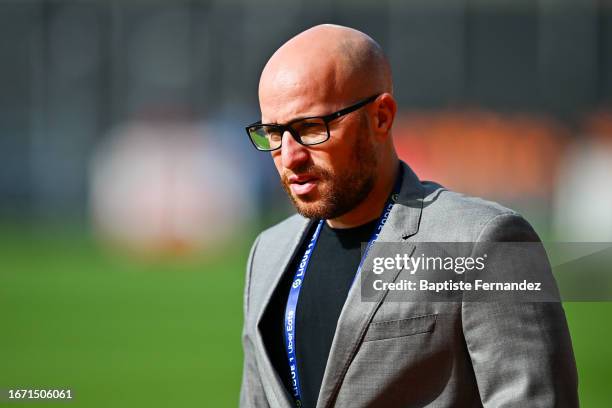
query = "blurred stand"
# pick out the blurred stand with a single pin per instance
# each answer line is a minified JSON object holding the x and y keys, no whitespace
{"x":509,"y":157}
{"x":583,"y":199}
{"x":492,"y":98}
{"x":168,"y":187}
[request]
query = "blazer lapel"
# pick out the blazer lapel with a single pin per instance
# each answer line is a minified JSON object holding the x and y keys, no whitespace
{"x":356,"y":314}
{"x":270,"y":378}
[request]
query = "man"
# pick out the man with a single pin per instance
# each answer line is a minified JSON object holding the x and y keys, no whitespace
{"x":327,"y":110}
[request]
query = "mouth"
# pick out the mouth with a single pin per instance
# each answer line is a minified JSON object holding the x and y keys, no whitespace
{"x":301,"y":185}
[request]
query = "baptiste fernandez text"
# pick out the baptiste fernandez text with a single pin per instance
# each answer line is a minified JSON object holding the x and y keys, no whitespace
{"x":451,"y":285}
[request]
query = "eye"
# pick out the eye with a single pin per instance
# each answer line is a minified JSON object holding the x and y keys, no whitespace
{"x":308,"y":126}
{"x":274,"y":135}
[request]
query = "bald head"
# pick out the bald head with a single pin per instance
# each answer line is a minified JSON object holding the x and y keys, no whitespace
{"x":346,"y":178}
{"x":325,"y":63}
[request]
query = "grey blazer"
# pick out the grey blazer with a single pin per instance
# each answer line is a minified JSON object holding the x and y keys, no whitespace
{"x":419,"y":354}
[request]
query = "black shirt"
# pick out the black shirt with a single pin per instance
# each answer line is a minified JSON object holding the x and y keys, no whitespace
{"x":329,"y":276}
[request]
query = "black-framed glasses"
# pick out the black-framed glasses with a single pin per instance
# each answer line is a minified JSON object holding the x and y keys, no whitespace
{"x":307,"y":131}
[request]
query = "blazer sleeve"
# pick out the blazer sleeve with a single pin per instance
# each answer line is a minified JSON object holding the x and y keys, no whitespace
{"x":251,"y":390}
{"x":521,"y":352}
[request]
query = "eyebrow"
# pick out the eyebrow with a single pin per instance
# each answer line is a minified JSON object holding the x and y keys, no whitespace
{"x":294,"y":120}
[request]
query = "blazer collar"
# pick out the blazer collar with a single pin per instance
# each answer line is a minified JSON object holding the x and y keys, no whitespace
{"x":355,"y":317}
{"x":271,"y":380}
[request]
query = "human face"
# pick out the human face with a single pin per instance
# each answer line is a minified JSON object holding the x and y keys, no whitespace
{"x":326,"y":181}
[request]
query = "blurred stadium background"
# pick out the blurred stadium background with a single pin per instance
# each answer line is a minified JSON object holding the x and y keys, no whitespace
{"x":129,"y":193}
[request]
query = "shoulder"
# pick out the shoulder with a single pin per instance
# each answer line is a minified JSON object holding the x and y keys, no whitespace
{"x":284,"y":229}
{"x":271,"y":247}
{"x":453,"y":216}
{"x":276,"y":238}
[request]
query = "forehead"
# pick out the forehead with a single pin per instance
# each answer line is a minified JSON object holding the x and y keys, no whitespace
{"x":290,"y":92}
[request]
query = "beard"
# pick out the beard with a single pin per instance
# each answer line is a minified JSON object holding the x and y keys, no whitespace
{"x":341,"y":191}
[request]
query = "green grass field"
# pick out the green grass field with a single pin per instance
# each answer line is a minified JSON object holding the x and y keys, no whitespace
{"x":127,"y":333}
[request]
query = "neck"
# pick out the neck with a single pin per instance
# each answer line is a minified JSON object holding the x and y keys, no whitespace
{"x":370,"y":208}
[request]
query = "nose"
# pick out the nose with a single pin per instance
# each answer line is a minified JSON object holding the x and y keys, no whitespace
{"x":293,"y":154}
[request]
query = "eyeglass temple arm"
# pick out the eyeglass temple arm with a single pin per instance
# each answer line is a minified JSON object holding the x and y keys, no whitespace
{"x":350,"y":109}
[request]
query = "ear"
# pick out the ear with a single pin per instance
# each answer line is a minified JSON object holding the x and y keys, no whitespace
{"x":384,"y":109}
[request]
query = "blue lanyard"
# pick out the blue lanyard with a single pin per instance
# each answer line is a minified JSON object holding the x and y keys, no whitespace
{"x":296,"y":286}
